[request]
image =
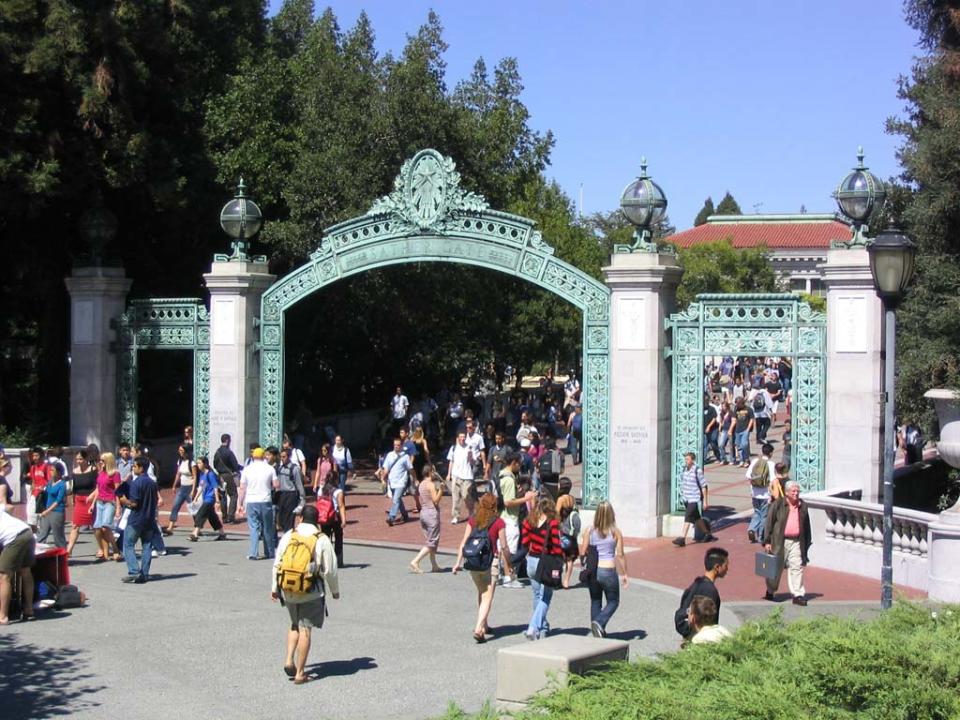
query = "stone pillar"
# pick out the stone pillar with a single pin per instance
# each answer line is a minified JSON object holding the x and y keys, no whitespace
{"x":943,"y":553}
{"x":235,"y":292}
{"x":854,"y":436}
{"x":97,"y":296}
{"x":643,"y":295}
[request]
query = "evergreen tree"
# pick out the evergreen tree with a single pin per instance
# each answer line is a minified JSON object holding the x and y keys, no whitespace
{"x":728,"y":206}
{"x":706,"y":211}
{"x":928,"y":346}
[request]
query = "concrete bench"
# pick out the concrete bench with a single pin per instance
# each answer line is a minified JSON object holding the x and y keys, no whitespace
{"x":522,"y":670}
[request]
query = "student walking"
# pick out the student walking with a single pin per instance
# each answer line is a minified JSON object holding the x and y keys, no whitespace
{"x":540,"y":533}
{"x":431,"y":492}
{"x":611,"y":571}
{"x":208,"y":491}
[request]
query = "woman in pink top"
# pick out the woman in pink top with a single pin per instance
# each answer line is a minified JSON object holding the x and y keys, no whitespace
{"x":105,"y":496}
{"x":326,"y":466}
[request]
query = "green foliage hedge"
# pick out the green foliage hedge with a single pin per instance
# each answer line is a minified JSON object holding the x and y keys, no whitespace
{"x":904,"y":664}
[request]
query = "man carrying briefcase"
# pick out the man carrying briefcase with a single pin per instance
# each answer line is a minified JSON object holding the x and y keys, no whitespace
{"x":788,"y":538}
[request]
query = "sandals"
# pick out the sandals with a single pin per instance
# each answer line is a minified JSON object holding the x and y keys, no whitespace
{"x":191,"y":538}
{"x":416,"y":569}
{"x":479,"y":637}
{"x":301,"y":680}
{"x":290,"y":670}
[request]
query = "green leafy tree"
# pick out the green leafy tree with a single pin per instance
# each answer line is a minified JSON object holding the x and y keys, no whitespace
{"x":706,"y":211}
{"x":717,"y":267}
{"x":728,"y":206}
{"x":928,"y":347}
{"x":100,"y":103}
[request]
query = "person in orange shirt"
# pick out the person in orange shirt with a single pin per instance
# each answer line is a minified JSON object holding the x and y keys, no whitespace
{"x":788,"y":536}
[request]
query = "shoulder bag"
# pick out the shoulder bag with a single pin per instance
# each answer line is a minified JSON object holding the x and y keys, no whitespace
{"x":550,"y":567}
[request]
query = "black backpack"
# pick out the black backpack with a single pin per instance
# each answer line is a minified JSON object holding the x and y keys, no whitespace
{"x":758,"y":403}
{"x":478,"y":552}
{"x":550,"y":463}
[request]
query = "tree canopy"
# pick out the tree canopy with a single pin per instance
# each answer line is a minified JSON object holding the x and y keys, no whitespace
{"x":928,"y":203}
{"x":717,"y":267}
{"x":706,"y":211}
{"x":728,"y":206}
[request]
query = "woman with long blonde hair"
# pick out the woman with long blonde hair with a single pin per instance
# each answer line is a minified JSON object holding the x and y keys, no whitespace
{"x":606,"y":537}
{"x":105,"y":496}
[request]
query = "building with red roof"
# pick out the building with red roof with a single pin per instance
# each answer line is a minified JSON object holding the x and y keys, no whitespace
{"x":797,"y":243}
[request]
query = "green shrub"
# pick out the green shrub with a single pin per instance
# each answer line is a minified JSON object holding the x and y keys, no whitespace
{"x":904,"y":664}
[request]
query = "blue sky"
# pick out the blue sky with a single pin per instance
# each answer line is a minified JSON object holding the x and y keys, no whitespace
{"x":768,"y":99}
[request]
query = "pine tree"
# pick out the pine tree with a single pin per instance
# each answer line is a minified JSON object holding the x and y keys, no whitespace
{"x":728,"y":206}
{"x":706,"y":211}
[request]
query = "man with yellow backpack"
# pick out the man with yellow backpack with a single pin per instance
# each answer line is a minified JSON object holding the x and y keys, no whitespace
{"x":304,"y":568}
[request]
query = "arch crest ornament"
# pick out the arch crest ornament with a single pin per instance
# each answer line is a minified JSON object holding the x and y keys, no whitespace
{"x":430,"y":217}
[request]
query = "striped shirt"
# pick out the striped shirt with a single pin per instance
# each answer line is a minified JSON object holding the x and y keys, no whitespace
{"x":536,"y":537}
{"x":690,"y":483}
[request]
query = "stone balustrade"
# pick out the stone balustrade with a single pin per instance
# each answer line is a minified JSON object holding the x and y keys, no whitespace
{"x":848,"y":536}
{"x":859,"y":522}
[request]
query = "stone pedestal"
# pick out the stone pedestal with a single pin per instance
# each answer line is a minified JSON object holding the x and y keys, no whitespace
{"x":943,"y":543}
{"x":235,"y":292}
{"x":854,"y":434}
{"x":643,"y":289}
{"x":97,"y":296}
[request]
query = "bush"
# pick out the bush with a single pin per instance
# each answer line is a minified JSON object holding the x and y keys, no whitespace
{"x":904,"y":664}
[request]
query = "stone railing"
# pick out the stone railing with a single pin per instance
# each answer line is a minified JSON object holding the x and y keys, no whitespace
{"x":861,"y":523}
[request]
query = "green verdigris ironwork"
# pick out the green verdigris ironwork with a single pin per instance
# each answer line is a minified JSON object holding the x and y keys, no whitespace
{"x":429,"y":217}
{"x":758,"y":325}
{"x":164,"y":324}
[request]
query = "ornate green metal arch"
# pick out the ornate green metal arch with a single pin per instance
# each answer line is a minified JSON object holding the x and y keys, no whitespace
{"x":164,"y":324}
{"x":430,"y":218}
{"x":778,"y":325}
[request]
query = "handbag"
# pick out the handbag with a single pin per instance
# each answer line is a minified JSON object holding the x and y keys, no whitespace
{"x":550,"y":567}
{"x":589,"y":562}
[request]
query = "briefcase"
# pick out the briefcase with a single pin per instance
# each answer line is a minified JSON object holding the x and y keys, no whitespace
{"x":768,"y":565}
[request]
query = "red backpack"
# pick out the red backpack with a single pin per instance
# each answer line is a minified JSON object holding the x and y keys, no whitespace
{"x":325,"y":510}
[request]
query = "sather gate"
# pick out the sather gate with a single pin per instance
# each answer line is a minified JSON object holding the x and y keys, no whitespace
{"x":429,"y":217}
{"x":758,"y":325}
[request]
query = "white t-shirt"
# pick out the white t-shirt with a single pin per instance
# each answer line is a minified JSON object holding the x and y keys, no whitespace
{"x":342,"y":456}
{"x":711,"y":634}
{"x":10,"y":527}
{"x":461,"y":462}
{"x":258,"y":478}
{"x":185,"y":471}
{"x":399,"y":405}
{"x":476,"y":445}
{"x":761,"y":493}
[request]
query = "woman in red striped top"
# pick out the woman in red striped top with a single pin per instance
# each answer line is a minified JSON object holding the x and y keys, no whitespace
{"x":541,"y":534}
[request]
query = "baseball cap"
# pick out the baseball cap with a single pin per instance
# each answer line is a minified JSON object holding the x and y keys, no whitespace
{"x":257,"y":453}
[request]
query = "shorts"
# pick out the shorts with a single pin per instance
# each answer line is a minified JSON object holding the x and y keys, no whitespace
{"x":18,"y":554}
{"x":484,"y":578}
{"x":308,"y":614}
{"x":692,"y":512}
{"x":103,"y":517}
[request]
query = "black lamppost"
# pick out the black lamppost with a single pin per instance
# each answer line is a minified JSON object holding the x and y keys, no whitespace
{"x":891,"y":264}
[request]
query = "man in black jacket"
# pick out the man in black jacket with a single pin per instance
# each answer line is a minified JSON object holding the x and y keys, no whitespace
{"x":226,"y":465}
{"x":717,"y":563}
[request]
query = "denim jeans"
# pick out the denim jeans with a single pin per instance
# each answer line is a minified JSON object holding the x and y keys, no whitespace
{"x":182,"y":496}
{"x":710,"y":441}
{"x":722,"y":443}
{"x":541,"y":601}
{"x":759,"y":520}
{"x":130,"y":537}
{"x":260,"y":519}
{"x":606,"y":583}
{"x":763,"y":425}
{"x":742,"y":442}
{"x":343,"y":479}
{"x":397,"y":507}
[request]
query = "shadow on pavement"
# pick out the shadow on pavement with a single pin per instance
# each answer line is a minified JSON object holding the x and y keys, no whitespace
{"x":357,"y":566}
{"x":339,"y":668}
{"x":175,"y":576}
{"x":37,"y":683}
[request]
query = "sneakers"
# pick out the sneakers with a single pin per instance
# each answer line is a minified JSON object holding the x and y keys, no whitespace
{"x":514,"y":585}
{"x":751,"y":536}
{"x":154,"y":553}
{"x":455,"y":521}
{"x":800,"y":600}
{"x":596,"y":630}
{"x":679,"y":542}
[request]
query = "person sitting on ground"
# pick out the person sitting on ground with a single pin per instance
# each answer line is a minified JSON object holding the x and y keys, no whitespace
{"x":716,"y":561}
{"x":702,"y":616}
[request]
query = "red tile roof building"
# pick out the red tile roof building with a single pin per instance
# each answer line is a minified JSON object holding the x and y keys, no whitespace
{"x":797,"y":243}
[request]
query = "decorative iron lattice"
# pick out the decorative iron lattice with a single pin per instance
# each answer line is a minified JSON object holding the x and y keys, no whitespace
{"x":430,"y":218}
{"x":762,"y":325}
{"x":163,"y":324}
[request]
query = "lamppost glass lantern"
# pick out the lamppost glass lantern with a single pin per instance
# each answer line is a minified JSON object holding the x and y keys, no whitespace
{"x":240,"y":219}
{"x":857,"y":195}
{"x":98,"y":226}
{"x":644,"y":205}
{"x":892,"y":256}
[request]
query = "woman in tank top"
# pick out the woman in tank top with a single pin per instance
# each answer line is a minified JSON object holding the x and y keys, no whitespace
{"x":606,"y":537}
{"x":184,"y":481}
{"x":431,"y":491}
